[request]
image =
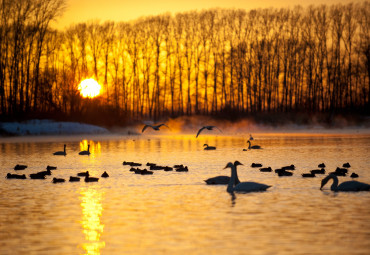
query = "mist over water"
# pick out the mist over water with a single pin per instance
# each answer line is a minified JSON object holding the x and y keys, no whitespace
{"x":176,"y":212}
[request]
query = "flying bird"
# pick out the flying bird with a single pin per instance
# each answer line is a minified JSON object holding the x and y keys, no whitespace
{"x":208,"y":128}
{"x":156,"y":128}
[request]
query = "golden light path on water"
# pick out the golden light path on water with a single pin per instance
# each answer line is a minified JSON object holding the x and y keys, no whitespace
{"x":92,"y":210}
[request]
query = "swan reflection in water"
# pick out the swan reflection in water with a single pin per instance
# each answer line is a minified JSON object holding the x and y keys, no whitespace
{"x":92,"y":209}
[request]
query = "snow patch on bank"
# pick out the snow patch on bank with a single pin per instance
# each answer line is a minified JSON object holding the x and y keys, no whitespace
{"x":50,"y":127}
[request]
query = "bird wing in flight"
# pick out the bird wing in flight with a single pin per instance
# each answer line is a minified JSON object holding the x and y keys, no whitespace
{"x":200,"y":130}
{"x":145,"y":128}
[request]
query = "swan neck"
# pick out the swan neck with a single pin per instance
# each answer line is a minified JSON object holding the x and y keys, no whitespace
{"x":230,"y":186}
{"x":249,"y":144}
{"x":334,"y":186}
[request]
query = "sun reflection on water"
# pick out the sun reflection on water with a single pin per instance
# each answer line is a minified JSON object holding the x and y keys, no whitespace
{"x":95,"y":147}
{"x":92,"y":210}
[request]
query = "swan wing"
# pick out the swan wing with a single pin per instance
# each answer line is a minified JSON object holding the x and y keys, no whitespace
{"x":250,"y":187}
{"x":145,"y":128}
{"x":217,"y":128}
{"x":200,"y":130}
{"x":353,"y":186}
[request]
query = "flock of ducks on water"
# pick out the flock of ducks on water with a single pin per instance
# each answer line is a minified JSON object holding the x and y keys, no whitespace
{"x":233,"y":183}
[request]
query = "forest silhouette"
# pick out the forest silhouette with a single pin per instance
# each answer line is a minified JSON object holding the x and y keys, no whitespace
{"x":219,"y":62}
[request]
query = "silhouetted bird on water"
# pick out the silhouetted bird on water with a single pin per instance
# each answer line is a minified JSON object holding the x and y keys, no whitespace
{"x":254,"y":146}
{"x":20,"y":167}
{"x":85,"y":152}
{"x":308,"y":175}
{"x":256,"y":165}
{"x":155,"y":127}
{"x":209,"y":147}
{"x":61,"y":153}
{"x":266,"y":169}
{"x":58,"y":180}
{"x":318,"y":171}
{"x":344,"y":186}
{"x":105,"y":175}
{"x":347,"y":165}
{"x":208,"y":128}
{"x":16,"y":176}
{"x":74,"y":179}
{"x":91,"y":179}
{"x":354,"y":175}
{"x":242,"y":186}
{"x":83,"y":173}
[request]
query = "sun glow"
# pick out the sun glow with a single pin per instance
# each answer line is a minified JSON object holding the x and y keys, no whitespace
{"x":89,"y":88}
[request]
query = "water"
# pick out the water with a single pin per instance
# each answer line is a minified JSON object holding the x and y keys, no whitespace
{"x":176,"y":212}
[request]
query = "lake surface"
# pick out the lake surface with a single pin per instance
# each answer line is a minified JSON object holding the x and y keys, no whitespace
{"x":176,"y":212}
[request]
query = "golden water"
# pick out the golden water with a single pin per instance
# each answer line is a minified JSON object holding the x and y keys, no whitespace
{"x":177,"y":213}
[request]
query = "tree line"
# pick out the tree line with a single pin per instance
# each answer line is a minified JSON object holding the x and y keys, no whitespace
{"x":313,"y":59}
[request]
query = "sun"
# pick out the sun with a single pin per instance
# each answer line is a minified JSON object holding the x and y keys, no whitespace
{"x":89,"y":88}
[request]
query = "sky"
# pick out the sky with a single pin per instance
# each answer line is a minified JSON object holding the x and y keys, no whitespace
{"x":126,"y":10}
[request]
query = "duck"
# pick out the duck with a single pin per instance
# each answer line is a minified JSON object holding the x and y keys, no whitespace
{"x":16,"y":176}
{"x":47,"y":172}
{"x":251,"y":137}
{"x":20,"y":167}
{"x":182,"y":169}
{"x":155,"y":127}
{"x":322,"y":165}
{"x":250,"y":147}
{"x":208,"y":128}
{"x":61,"y":153}
{"x":223,"y":179}
{"x":209,"y":147}
{"x":105,"y":174}
{"x":266,"y":169}
{"x":242,"y":186}
{"x":91,"y":179}
{"x":74,"y":179}
{"x":291,"y":167}
{"x":83,"y":174}
{"x":37,"y":176}
{"x":344,"y":186}
{"x":51,"y":167}
{"x":146,"y":172}
{"x":283,"y":172}
{"x":308,"y":175}
{"x":256,"y":165}
{"x":58,"y":180}
{"x":347,"y":165}
{"x":85,"y":152}
{"x":318,"y":171}
{"x":354,"y":175}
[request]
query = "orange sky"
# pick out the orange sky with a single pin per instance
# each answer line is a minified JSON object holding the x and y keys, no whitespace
{"x":126,"y":10}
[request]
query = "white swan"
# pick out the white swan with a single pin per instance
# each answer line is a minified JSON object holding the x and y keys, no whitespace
{"x":222,"y":179}
{"x":344,"y":186}
{"x":209,"y":147}
{"x":254,"y":146}
{"x":61,"y":153}
{"x":208,"y":128}
{"x":85,"y":152}
{"x":156,"y":128}
{"x":243,"y":186}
